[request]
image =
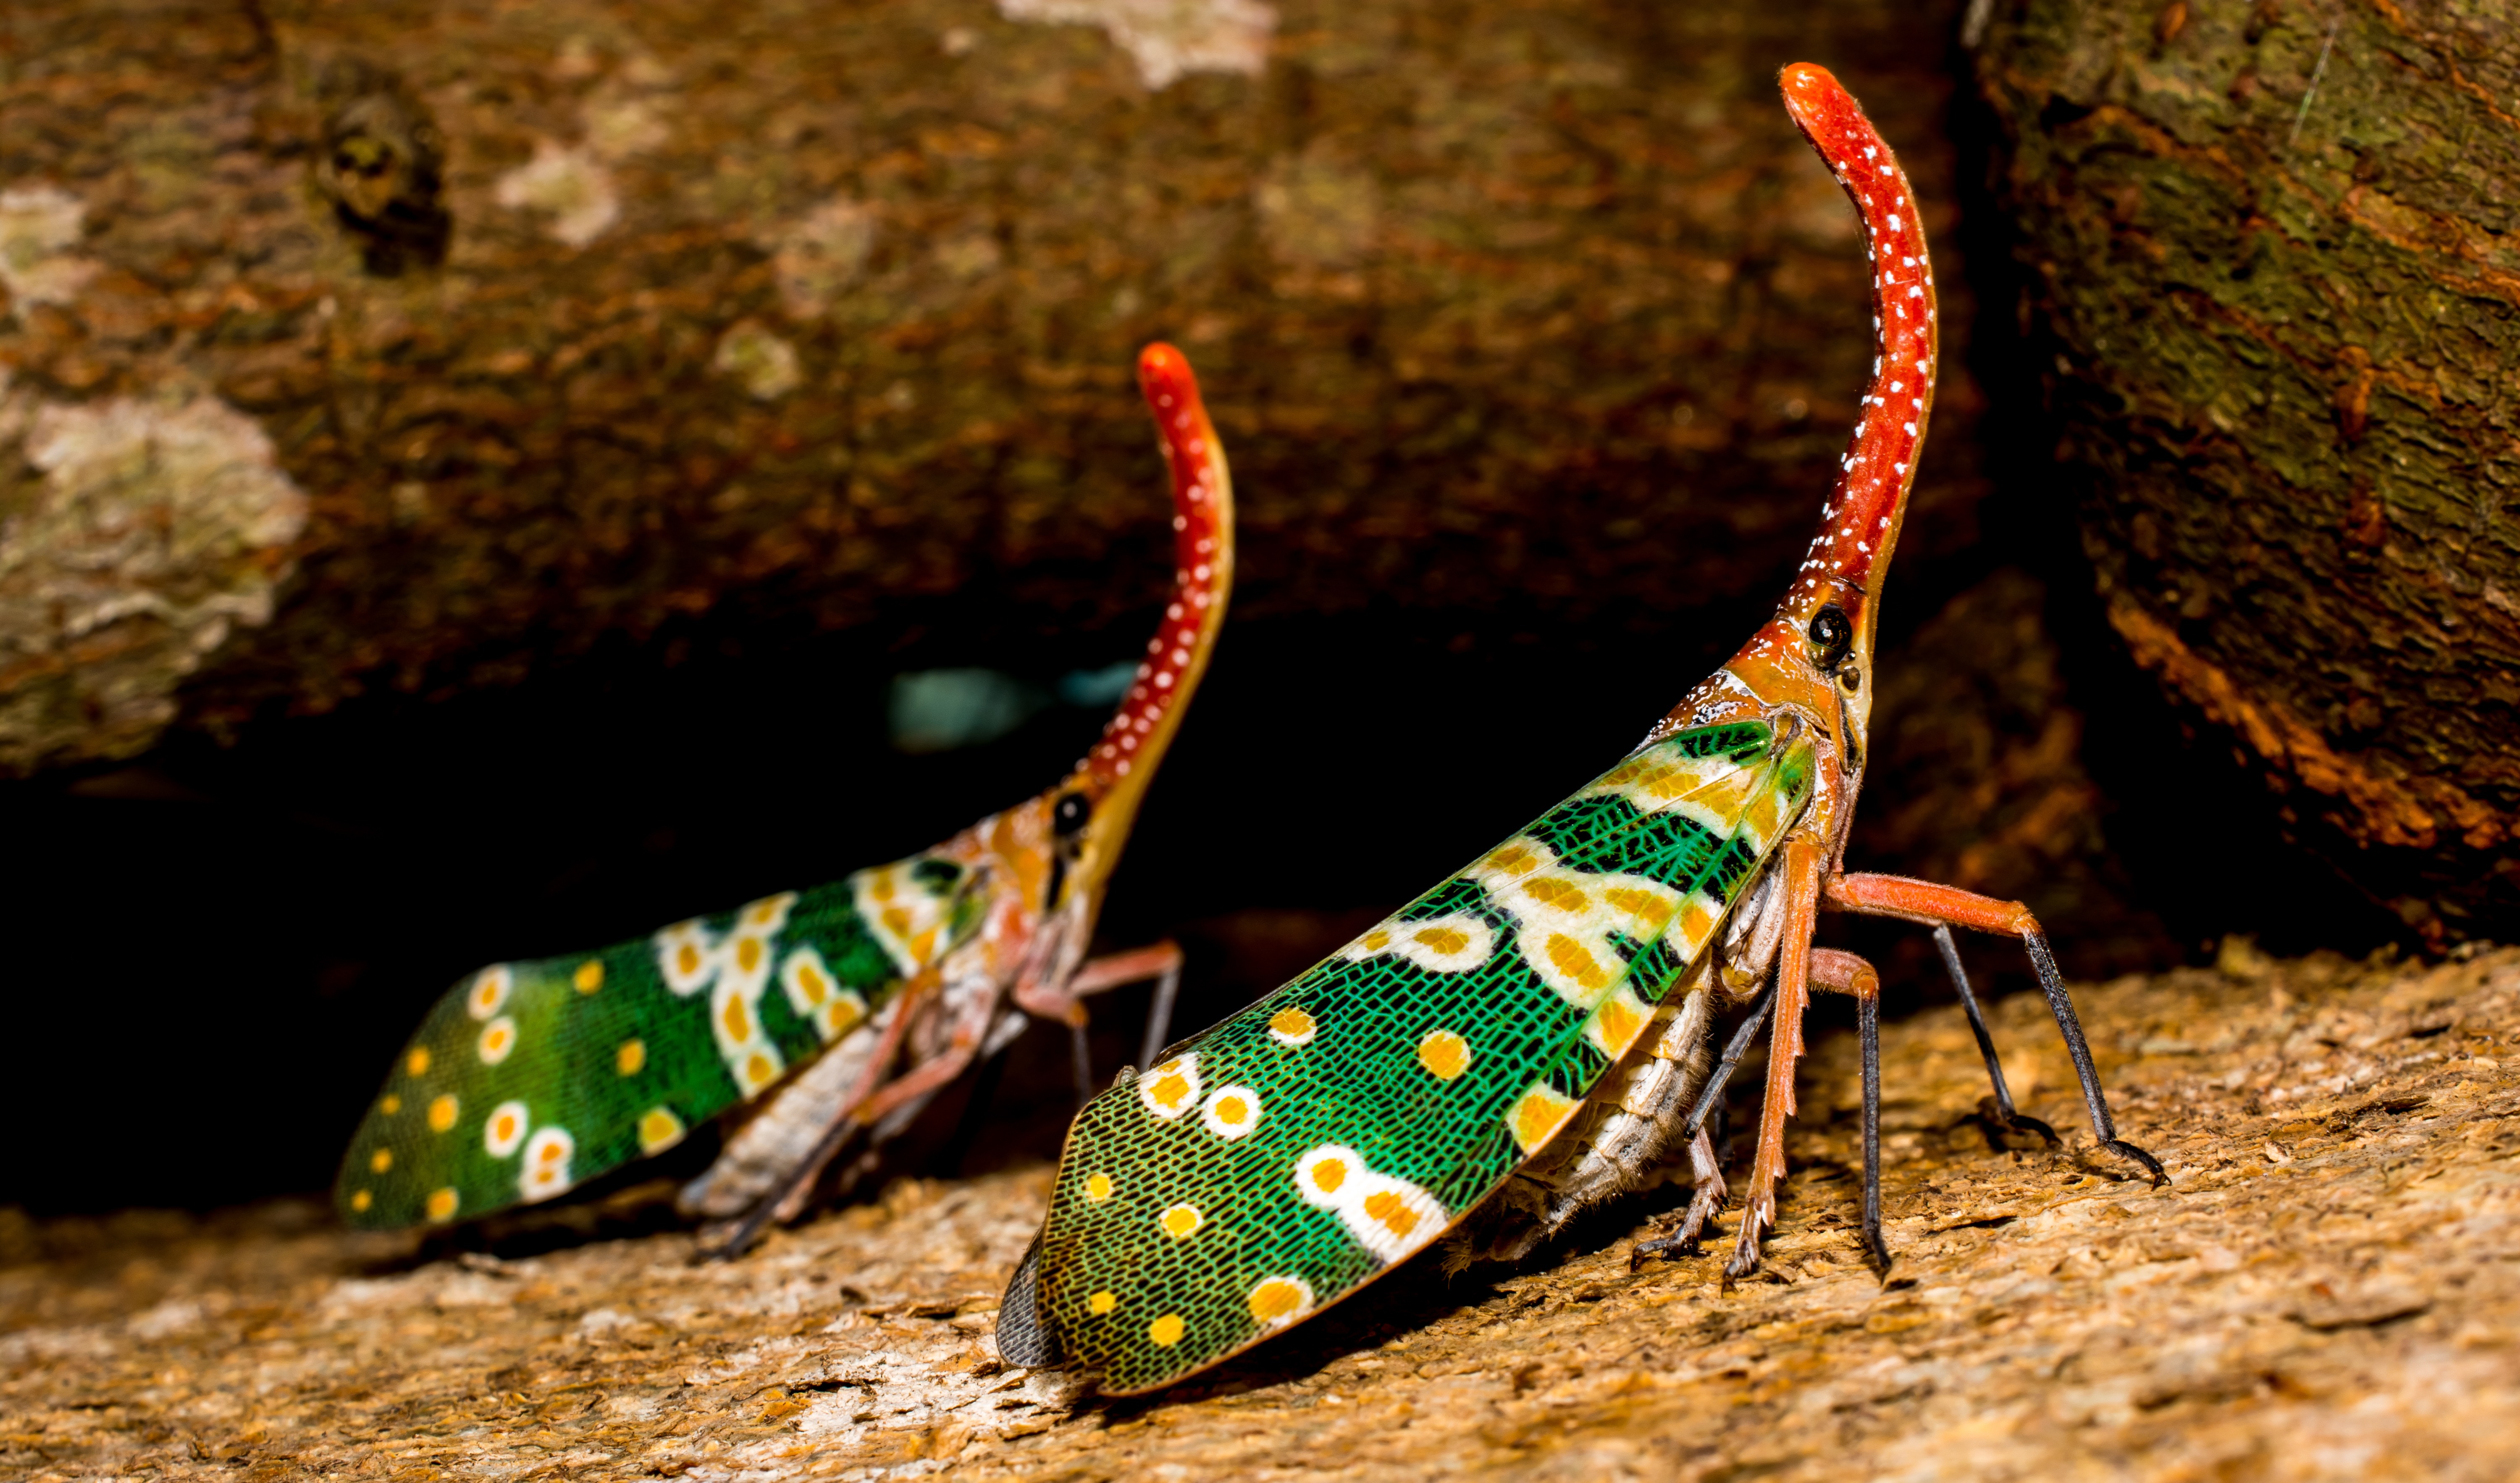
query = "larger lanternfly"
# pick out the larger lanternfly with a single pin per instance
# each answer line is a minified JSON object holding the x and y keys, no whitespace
{"x":1534,"y":1035}
{"x":834,"y":1013}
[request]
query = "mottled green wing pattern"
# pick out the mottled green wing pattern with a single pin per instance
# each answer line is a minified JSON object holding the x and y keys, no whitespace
{"x":1303,"y":1146}
{"x":528,"y":1078}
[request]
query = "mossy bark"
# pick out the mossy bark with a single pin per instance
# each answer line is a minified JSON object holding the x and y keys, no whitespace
{"x":2273,"y":252}
{"x":571,"y":319}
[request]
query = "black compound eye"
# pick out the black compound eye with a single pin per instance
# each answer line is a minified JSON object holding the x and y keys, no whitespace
{"x":1069,"y":813}
{"x":1832,"y":634}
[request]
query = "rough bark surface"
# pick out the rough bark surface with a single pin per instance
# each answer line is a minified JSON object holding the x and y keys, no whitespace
{"x":2326,"y":1289}
{"x":530,"y":326}
{"x":2274,"y":248}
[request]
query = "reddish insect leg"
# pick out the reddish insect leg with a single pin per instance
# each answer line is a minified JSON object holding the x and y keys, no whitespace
{"x":1802,"y":870}
{"x":787,"y":1198}
{"x":1943,"y":905}
{"x":1161,"y":963}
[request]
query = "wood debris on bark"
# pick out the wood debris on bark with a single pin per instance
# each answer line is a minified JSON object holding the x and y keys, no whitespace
{"x":2325,"y":1290}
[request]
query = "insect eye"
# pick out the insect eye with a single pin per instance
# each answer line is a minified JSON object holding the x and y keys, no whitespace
{"x":1831,"y":635}
{"x":1069,"y":813}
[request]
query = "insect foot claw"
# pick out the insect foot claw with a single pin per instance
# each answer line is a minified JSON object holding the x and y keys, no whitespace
{"x":720,"y":1242}
{"x":1681,"y":1242}
{"x":1745,"y":1250}
{"x":1992,"y":1114}
{"x":2127,"y":1150}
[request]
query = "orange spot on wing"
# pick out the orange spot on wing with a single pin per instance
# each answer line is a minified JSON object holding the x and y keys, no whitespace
{"x":1167,"y":1330}
{"x":657,"y":1129}
{"x":1576,"y":962}
{"x":748,"y":953}
{"x":1101,"y":1303}
{"x":1537,"y":1115}
{"x":1098,"y":1188}
{"x":631,"y":1059}
{"x":1181,"y":1222}
{"x":1618,"y":1025}
{"x":1558,"y":895}
{"x":1273,"y":1299}
{"x":589,"y":976}
{"x":1767,"y":814}
{"x":1171,"y":1091}
{"x":1649,"y":909}
{"x":1294,"y":1024}
{"x":1329,"y":1175}
{"x":418,"y":1061}
{"x":1445,"y":940}
{"x":380,"y":1160}
{"x":738,"y":1024}
{"x":1444,"y":1055}
{"x":441,"y":1204}
{"x":441,"y":1113}
{"x":1391,"y":1211}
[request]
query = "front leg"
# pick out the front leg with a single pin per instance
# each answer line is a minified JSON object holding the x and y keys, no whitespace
{"x":1802,"y":867}
{"x":1161,"y":961}
{"x":1931,"y":905}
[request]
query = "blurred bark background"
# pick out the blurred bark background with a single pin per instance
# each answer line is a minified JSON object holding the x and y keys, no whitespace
{"x":468,"y":472}
{"x":564,"y":320}
{"x":2274,"y":278}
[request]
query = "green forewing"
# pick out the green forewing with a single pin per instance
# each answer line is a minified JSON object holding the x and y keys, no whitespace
{"x":529,"y":1077}
{"x":1304,"y":1146}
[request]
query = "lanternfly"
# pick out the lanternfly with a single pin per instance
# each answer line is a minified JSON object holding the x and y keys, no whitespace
{"x":1535,"y":1035}
{"x":839,"y":1012}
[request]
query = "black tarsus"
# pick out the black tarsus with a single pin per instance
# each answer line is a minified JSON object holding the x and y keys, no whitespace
{"x":2006,"y":1115}
{"x":984,"y":1081}
{"x":1868,"y":1028}
{"x":1080,"y":1060}
{"x":1159,"y":1015}
{"x":1713,"y":1092}
{"x":2103,"y":1127}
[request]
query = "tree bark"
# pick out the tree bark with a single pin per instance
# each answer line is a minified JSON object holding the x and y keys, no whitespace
{"x":2272,"y":250}
{"x":2327,"y":1277}
{"x":514,"y":328}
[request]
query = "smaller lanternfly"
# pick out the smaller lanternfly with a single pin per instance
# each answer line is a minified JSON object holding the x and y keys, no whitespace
{"x":832,"y":1014}
{"x":1533,"y":1036}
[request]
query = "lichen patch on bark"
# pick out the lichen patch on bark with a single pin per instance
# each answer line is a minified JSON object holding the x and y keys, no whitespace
{"x":1167,"y":38}
{"x":135,"y":534}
